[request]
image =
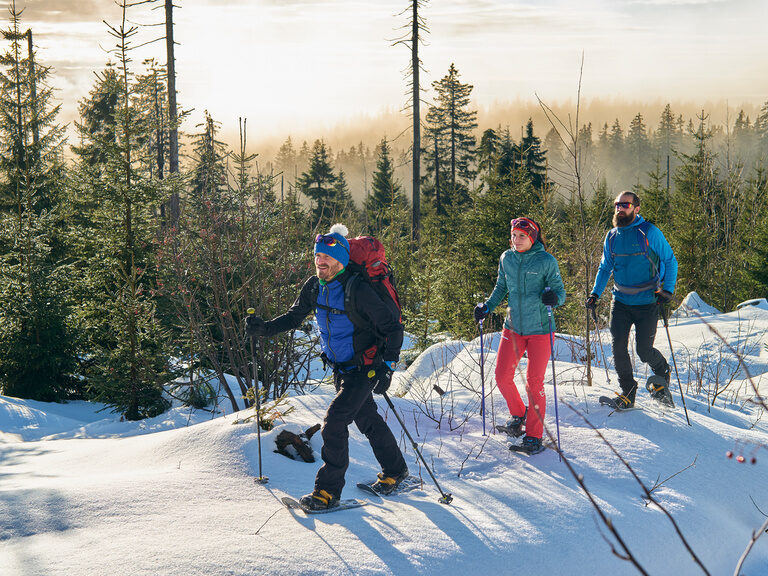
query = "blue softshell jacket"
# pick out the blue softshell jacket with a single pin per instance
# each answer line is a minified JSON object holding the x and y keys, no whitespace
{"x":631,"y":266}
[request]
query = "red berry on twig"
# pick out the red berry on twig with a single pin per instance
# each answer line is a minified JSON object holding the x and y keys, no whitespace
{"x":740,"y":459}
{"x":729,"y":454}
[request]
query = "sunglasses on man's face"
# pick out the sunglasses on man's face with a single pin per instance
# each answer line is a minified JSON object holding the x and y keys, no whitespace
{"x":622,"y":205}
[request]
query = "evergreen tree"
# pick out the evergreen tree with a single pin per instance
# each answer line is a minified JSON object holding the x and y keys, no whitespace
{"x":115,"y":189}
{"x":386,"y":197}
{"x":695,"y":236}
{"x":37,"y":343}
{"x":534,"y":159}
{"x":638,"y":148}
{"x":450,"y":129}
{"x":319,"y":183}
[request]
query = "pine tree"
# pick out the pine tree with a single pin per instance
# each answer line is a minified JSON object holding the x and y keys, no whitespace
{"x":38,"y":357}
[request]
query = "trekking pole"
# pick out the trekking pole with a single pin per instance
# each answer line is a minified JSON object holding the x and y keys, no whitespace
{"x":445,"y":498}
{"x":602,"y":350}
{"x":261,"y":479}
{"x":482,"y":374}
{"x":554,"y":379}
{"x":674,"y":362}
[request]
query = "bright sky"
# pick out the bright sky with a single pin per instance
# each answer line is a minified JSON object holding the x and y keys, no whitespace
{"x":290,"y":65}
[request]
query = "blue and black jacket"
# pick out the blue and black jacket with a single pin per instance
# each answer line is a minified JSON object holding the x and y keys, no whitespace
{"x":641,"y":261}
{"x":376,"y":334}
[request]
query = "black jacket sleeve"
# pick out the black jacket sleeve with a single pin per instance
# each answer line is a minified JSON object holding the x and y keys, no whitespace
{"x":386,"y":323}
{"x":298,"y":311}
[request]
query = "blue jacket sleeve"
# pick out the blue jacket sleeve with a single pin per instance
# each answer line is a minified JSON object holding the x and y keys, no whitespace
{"x":604,"y":271}
{"x":667,"y":261}
{"x":500,"y":291}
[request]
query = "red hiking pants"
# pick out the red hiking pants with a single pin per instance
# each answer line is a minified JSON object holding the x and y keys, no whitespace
{"x":511,"y":350}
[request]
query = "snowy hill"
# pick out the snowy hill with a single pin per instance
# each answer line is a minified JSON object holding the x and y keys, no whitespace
{"x":82,"y":493}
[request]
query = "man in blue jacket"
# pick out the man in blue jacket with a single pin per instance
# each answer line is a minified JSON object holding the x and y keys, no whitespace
{"x":644,"y":272}
{"x":363,"y":358}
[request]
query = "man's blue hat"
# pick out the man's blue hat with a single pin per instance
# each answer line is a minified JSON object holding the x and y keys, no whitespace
{"x":334,"y":244}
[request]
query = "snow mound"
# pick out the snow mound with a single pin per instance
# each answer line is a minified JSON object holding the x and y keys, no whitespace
{"x":694,"y":306}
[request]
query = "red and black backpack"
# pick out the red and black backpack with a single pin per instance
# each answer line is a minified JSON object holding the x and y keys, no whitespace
{"x":368,"y":263}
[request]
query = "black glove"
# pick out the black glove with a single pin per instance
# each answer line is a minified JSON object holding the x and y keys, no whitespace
{"x":481,"y":311}
{"x":255,"y":326}
{"x":549,"y":298}
{"x":383,"y":379}
{"x":591,"y":302}
{"x":663,"y":297}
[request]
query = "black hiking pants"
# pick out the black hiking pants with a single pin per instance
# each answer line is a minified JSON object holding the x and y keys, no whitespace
{"x":354,"y":403}
{"x":645,"y":318}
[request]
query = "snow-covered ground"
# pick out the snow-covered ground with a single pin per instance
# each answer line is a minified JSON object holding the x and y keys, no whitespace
{"x":82,"y":493}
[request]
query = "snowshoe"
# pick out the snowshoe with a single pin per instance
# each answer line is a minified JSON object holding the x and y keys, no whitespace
{"x":530,"y":446}
{"x":620,"y":404}
{"x":292,"y":504}
{"x":658,"y":386}
{"x":388,"y":484}
{"x":319,"y":500}
{"x":406,"y":485}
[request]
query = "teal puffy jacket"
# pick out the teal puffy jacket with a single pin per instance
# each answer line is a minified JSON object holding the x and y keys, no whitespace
{"x":523,"y":276}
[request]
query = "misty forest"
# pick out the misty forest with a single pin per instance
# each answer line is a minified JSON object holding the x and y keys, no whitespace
{"x":132,"y":243}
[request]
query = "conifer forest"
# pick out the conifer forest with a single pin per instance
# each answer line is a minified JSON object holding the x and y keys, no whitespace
{"x":133,"y":243}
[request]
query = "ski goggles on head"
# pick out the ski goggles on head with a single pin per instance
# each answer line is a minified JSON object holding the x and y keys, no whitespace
{"x":329,"y":240}
{"x":622,"y":205}
{"x":524,"y":224}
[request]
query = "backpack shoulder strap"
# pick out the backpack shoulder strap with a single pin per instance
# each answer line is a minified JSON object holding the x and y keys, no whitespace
{"x":350,"y":301}
{"x":611,"y":237}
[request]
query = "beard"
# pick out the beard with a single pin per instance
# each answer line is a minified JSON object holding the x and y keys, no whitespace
{"x":620,"y":220}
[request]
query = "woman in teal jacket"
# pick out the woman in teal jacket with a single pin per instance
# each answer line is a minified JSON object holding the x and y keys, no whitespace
{"x":530,"y":278}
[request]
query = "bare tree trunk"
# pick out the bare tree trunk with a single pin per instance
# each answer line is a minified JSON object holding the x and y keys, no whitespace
{"x":173,"y":134}
{"x":416,"y":232}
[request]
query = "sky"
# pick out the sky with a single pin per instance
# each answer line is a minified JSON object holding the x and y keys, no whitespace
{"x":295,"y":66}
{"x":83,"y":493}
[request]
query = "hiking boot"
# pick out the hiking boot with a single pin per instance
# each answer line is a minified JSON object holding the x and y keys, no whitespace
{"x":319,"y":500}
{"x":514,"y":426}
{"x":388,"y":484}
{"x":531,"y":444}
{"x":623,"y":403}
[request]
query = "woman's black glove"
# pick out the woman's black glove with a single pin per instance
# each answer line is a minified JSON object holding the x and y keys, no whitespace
{"x":481,"y":311}
{"x":549,"y":298}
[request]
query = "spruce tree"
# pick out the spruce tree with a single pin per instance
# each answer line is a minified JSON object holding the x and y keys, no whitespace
{"x":387,"y":195}
{"x":450,"y":129}
{"x":114,"y":188}
{"x":38,"y":358}
{"x":319,"y":183}
{"x":534,"y":159}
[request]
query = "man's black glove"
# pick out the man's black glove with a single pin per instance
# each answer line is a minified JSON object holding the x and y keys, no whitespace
{"x":254,"y":325}
{"x":481,"y":311}
{"x":591,"y":302}
{"x":549,"y":298}
{"x":383,"y":379}
{"x":663,"y":297}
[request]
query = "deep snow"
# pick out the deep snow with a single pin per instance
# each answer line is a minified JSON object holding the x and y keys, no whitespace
{"x":83,"y":493}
